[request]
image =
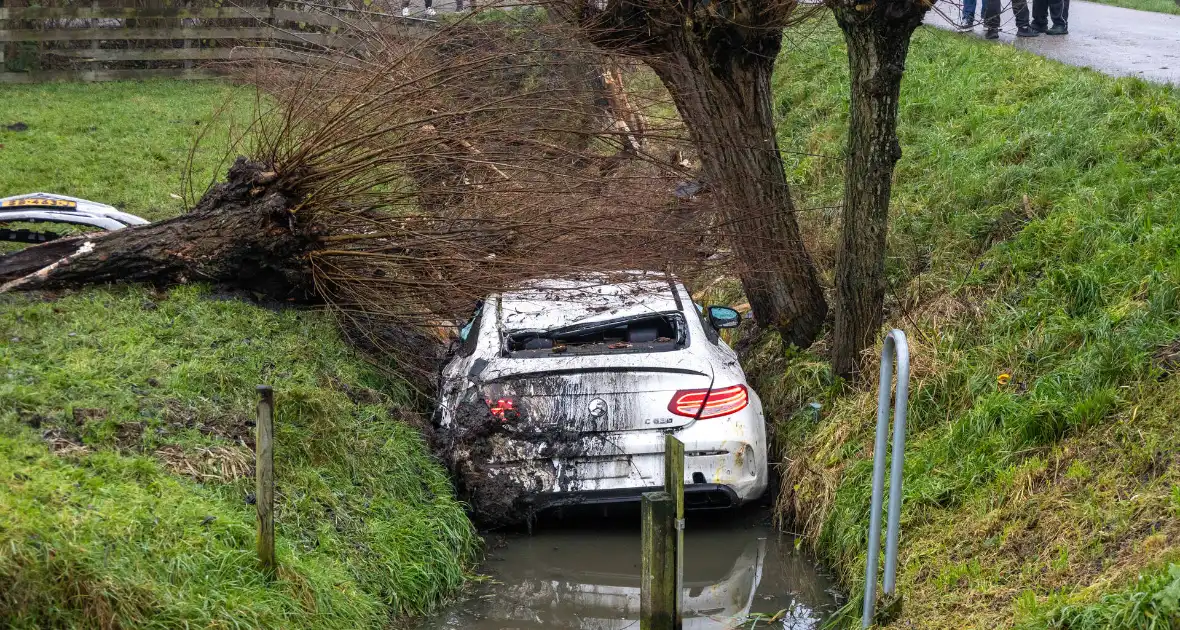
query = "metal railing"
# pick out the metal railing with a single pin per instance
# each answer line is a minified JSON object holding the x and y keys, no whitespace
{"x":895,"y":349}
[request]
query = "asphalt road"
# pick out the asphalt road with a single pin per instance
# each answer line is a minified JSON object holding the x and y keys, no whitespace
{"x":1111,"y":40}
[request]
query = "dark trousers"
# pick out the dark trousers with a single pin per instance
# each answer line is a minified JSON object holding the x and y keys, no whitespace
{"x":1044,"y":9}
{"x":991,"y":12}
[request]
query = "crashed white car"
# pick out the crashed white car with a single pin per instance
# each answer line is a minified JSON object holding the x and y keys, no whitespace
{"x":39,"y":208}
{"x":561,"y":393}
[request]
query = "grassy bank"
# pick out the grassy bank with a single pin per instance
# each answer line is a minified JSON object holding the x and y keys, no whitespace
{"x":126,"y":435}
{"x":1033,"y":263}
{"x":125,"y":143}
{"x":1159,"y":6}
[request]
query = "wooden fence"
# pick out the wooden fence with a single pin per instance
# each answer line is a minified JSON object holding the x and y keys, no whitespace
{"x":100,"y":42}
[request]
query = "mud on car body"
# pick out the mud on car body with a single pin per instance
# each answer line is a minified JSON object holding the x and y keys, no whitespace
{"x":561,"y":391}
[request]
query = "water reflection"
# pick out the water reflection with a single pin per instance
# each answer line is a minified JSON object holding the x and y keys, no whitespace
{"x":590,"y":579}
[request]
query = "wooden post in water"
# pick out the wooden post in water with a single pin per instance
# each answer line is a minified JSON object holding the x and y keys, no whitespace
{"x":674,"y":486}
{"x":264,"y":497}
{"x":658,"y":579}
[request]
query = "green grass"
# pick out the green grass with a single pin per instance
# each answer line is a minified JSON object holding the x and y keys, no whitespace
{"x":123,"y":143}
{"x":1159,"y":6}
{"x":125,"y":419}
{"x":1153,"y":603}
{"x":1035,"y":234}
{"x":147,"y":402}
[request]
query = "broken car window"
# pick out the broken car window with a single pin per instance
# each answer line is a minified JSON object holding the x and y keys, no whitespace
{"x":657,"y":332}
{"x":469,"y":333}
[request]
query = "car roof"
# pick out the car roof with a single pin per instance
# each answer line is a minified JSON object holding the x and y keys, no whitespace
{"x":548,"y":304}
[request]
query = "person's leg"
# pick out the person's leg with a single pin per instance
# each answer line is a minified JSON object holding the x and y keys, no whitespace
{"x":1040,"y":15}
{"x":1020,"y":11}
{"x":968,"y":16}
{"x":991,"y":18}
{"x":1058,"y":9}
{"x":429,"y":7}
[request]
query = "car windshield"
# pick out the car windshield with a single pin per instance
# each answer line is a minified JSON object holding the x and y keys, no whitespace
{"x":654,"y":332}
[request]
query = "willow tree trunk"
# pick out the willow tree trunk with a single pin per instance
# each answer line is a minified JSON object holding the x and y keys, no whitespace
{"x":878,"y":43}
{"x":722,"y":91}
{"x":241,"y":236}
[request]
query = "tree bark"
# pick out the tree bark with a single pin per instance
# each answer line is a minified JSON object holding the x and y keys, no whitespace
{"x":725,"y":99}
{"x":878,"y":42}
{"x":241,"y":235}
{"x":716,"y":59}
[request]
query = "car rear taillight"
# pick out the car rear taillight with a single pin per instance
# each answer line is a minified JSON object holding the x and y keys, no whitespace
{"x":709,"y":403}
{"x":504,"y":409}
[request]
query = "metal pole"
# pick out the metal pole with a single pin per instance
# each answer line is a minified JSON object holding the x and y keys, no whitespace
{"x":902,"y":354}
{"x":878,"y":484}
{"x":894,"y":348}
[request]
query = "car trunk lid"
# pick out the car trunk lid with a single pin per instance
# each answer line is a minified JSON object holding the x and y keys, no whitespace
{"x":594,"y":396}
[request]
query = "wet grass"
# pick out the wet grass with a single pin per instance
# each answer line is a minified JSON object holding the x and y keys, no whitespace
{"x":123,"y":143}
{"x":1033,"y":264}
{"x":1159,"y":6}
{"x":126,"y":434}
{"x":126,"y":421}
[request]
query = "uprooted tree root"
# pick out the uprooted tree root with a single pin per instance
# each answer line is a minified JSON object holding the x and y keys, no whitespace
{"x":241,"y":235}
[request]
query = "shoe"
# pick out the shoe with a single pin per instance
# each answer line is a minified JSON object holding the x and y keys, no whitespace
{"x":1040,"y":28}
{"x":1024,"y":31}
{"x":992,"y":33}
{"x":405,"y":11}
{"x":966,"y":24}
{"x":430,"y":12}
{"x":1058,"y":29}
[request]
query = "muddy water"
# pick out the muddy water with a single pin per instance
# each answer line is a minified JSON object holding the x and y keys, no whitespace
{"x":584,"y":573}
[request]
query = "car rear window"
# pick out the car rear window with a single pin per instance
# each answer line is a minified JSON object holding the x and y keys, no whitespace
{"x":659,"y":332}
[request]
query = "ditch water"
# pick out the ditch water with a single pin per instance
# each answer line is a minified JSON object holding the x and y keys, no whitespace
{"x":583,"y":572}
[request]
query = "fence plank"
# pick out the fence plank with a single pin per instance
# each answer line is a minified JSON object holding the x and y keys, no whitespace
{"x":320,"y":18}
{"x":317,"y":17}
{"x":226,"y":53}
{"x":87,"y":34}
{"x":49,"y":76}
{"x":177,"y":33}
{"x":89,"y":13}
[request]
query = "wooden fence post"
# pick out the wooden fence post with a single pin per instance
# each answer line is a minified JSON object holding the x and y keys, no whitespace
{"x":264,"y":473}
{"x":658,"y":578}
{"x":674,"y":486}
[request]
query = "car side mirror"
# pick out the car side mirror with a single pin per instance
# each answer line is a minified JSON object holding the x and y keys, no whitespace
{"x":724,"y":317}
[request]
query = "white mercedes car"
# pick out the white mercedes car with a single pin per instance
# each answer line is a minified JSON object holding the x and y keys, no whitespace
{"x":560,"y":392}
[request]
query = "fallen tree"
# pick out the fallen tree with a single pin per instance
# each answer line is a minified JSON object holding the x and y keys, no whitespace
{"x":398,"y":189}
{"x":242,"y":235}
